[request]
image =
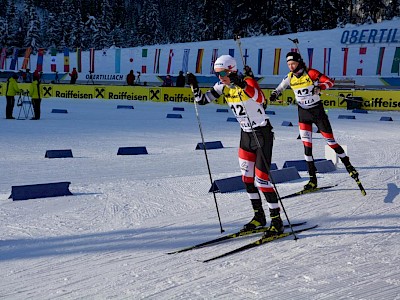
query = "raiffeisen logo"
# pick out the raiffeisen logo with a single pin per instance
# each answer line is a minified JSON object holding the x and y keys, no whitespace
{"x":380,"y":102}
{"x":73,"y":95}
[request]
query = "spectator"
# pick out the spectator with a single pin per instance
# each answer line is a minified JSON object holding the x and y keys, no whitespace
{"x":11,"y":90}
{"x":180,"y":80}
{"x":168,"y":81}
{"x":74,"y":76}
{"x":34,"y":92}
{"x":130,"y":78}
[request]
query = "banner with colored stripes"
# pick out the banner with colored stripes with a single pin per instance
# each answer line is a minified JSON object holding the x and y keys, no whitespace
{"x":170,"y":56}
{"x":91,"y":60}
{"x":362,"y":51}
{"x":14,"y":59}
{"x":231,"y":52}
{"x":3,"y":57}
{"x":260,"y":57}
{"x":310,"y":52}
{"x":53,"y":60}
{"x":327,"y":60}
{"x":214,"y":57}
{"x":396,"y":61}
{"x":79,"y":59}
{"x":66,"y":59}
{"x":156,"y":67}
{"x":185,"y":60}
{"x":345,"y":57}
{"x":380,"y":61}
{"x":277,"y":58}
{"x":39,"y":62}
{"x":25,"y":63}
{"x":199,"y":61}
{"x":144,"y":61}
{"x":117,"y":60}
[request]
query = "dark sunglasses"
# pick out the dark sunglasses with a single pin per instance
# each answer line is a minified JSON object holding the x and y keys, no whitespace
{"x":222,"y":73}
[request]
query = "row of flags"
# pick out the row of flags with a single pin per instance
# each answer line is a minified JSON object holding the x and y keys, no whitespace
{"x":362,"y":51}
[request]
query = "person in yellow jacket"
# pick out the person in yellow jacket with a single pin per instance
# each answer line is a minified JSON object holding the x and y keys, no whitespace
{"x":11,"y":90}
{"x":34,"y":92}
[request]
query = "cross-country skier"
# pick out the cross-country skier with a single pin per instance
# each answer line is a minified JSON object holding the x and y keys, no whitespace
{"x":246,"y":100}
{"x":306,"y":85}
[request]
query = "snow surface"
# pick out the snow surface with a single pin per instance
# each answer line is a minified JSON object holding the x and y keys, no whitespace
{"x":109,"y":240}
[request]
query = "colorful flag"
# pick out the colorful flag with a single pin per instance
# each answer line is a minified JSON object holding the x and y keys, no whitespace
{"x":144,"y":69}
{"x":345,"y":56}
{"x":380,"y":61}
{"x":144,"y":52}
{"x":66,"y":59}
{"x":25,"y":63}
{"x":185,"y":60}
{"x":170,"y":56}
{"x":117,"y":60}
{"x":79,"y":59}
{"x":232,"y":52}
{"x":396,"y":61}
{"x":327,"y":60}
{"x":91,"y":61}
{"x":214,"y":57}
{"x":14,"y":59}
{"x":245,"y":56}
{"x":144,"y":63}
{"x":53,"y":59}
{"x":260,"y":55}
{"x":39,"y":62}
{"x":362,"y":51}
{"x":310,"y":57}
{"x":199,"y":61}
{"x":277,"y":59}
{"x":156,"y":67}
{"x":3,"y":57}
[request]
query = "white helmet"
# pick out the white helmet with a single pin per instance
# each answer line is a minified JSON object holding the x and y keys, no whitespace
{"x":226,"y":62}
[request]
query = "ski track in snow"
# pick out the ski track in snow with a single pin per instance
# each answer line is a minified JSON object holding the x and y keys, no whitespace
{"x":109,"y":240}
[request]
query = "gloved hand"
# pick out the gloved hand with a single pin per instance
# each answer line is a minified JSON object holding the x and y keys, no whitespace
{"x":247,"y":72}
{"x":192,"y":80}
{"x":236,"y":80}
{"x":316,"y":90}
{"x":273,"y":97}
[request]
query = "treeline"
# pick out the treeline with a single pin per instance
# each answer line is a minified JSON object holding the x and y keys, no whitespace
{"x":129,"y":23}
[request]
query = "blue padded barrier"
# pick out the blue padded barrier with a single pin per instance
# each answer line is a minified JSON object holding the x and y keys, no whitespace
{"x":125,"y":107}
{"x":386,"y":119}
{"x":224,"y":110}
{"x":300,"y":165}
{"x":287,"y":123}
{"x":45,"y":190}
{"x":132,"y":150}
{"x":174,"y":116}
{"x":231,"y":119}
{"x":59,"y":111}
{"x":178,"y":108}
{"x":325,"y":166}
{"x":210,"y":145}
{"x":284,"y":175}
{"x":58,"y":153}
{"x":346,"y":117}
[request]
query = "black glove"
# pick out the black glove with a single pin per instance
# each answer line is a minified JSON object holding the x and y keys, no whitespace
{"x":192,"y":80}
{"x":273,"y":97}
{"x":247,"y":72}
{"x":236,"y":80}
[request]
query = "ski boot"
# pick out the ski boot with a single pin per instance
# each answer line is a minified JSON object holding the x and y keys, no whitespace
{"x":349,"y":167}
{"x":276,"y":227}
{"x":312,"y":184}
{"x":259,"y":216}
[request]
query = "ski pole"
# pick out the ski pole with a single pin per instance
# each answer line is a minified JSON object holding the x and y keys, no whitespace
{"x":239,"y":43}
{"x":208,"y":164}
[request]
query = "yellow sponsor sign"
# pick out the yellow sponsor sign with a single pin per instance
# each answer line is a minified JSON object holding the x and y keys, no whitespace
{"x":372,"y":99}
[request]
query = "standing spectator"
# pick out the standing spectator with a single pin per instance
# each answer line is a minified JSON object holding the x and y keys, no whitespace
{"x":306,"y":85}
{"x":168,"y":81}
{"x":180,"y":80}
{"x":74,"y":76}
{"x":34,"y":92}
{"x":130,"y":78}
{"x":11,"y":90}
